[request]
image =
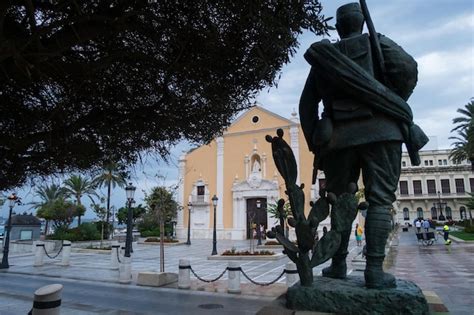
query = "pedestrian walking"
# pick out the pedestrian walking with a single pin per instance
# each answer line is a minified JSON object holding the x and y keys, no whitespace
{"x":426,"y":225}
{"x":418,"y":226}
{"x":447,"y":241}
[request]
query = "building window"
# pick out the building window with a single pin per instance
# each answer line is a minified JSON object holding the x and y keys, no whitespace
{"x":449,"y":213}
{"x":322,"y":183}
{"x":459,"y":185}
{"x":406,"y":214}
{"x":426,"y":162}
{"x":419,"y":213}
{"x":255,"y":119}
{"x":404,"y":164}
{"x":471,"y":184}
{"x":462,"y":213}
{"x":431,"y":162}
{"x":26,"y":235}
{"x":200,"y":193}
{"x":445,"y":188}
{"x":445,"y":162}
{"x":440,"y":162}
{"x":431,"y":184}
{"x":434,"y":213}
{"x":403,"y":187}
{"x":417,"y":187}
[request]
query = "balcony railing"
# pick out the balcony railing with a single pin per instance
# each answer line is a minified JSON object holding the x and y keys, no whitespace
{"x":200,"y":200}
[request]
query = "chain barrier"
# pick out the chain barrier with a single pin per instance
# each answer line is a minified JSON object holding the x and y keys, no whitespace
{"x":263,"y":284}
{"x":57,"y":254}
{"x":243,"y":272}
{"x":205,"y":280}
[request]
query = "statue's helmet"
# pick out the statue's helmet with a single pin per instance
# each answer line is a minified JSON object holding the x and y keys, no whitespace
{"x":349,"y":18}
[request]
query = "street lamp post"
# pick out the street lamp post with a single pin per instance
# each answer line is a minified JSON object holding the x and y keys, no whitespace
{"x":214,"y":238}
{"x":259,"y":233}
{"x":130,"y":191}
{"x":440,"y":205}
{"x":188,"y":242}
{"x":13,"y":199}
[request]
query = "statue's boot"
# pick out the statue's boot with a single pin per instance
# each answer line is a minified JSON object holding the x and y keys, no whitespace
{"x":338,"y":267}
{"x":377,"y":229}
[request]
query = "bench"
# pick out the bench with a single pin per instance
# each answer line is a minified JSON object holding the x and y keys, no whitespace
{"x":426,"y":239}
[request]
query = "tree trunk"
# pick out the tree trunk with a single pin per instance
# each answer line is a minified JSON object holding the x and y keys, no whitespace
{"x":101,"y":234}
{"x":78,"y":220}
{"x":109,"y":184}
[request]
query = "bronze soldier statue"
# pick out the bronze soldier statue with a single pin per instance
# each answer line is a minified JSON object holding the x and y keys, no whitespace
{"x":364,"y":123}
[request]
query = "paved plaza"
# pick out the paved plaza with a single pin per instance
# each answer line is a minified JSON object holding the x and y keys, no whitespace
{"x":446,"y":272}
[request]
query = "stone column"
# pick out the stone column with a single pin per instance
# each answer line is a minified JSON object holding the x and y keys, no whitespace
{"x":66,"y":254}
{"x":39,"y":254}
{"x":114,"y":253}
{"x":294,"y":142}
{"x":234,"y":277}
{"x":125,"y":270}
{"x":184,"y":275}
{"x":181,"y":199}
{"x":47,"y":300}
{"x":220,"y":183}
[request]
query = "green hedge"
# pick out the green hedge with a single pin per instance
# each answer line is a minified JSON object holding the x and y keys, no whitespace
{"x":84,"y":232}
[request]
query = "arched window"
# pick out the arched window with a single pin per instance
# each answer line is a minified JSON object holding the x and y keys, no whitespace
{"x":406,"y":214}
{"x":434,"y":213}
{"x":462,"y":212}
{"x":449,"y":213}
{"x":419,"y":213}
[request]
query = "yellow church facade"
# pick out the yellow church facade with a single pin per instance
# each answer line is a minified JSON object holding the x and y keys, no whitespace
{"x":238,"y":168}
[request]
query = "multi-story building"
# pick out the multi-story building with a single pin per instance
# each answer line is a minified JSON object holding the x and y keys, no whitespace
{"x":437,"y":189}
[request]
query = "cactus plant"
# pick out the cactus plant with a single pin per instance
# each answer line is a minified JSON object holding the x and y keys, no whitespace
{"x":342,"y":208}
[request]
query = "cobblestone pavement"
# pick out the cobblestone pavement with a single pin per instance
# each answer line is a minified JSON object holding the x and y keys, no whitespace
{"x":96,"y":266}
{"x":446,"y":270}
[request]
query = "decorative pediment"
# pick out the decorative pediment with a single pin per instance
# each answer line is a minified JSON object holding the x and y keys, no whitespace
{"x":254,"y":183}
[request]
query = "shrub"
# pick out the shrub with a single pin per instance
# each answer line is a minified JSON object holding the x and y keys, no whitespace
{"x":157,"y":240}
{"x":272,"y":243}
{"x":84,"y":232}
{"x":148,"y":233}
{"x":469,"y":229}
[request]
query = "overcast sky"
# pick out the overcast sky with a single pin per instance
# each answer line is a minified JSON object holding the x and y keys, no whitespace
{"x":439,"y":34}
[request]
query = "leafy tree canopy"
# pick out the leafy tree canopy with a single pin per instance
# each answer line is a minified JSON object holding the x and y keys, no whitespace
{"x":463,"y":147}
{"x":122,"y":213}
{"x":85,"y":82}
{"x":161,"y":203}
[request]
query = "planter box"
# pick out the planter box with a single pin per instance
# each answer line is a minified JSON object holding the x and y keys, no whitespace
{"x":276,"y":256}
{"x":156,"y":279}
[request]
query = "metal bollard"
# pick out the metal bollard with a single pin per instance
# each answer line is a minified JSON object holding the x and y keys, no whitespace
{"x":39,"y":254}
{"x":291,"y":274}
{"x":66,"y":254}
{"x":114,"y":263}
{"x":47,"y":300}
{"x":184,"y":275}
{"x":233,"y":270}
{"x":125,"y":270}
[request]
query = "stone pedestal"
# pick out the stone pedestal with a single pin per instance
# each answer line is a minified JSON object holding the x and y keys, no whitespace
{"x":350,"y":296}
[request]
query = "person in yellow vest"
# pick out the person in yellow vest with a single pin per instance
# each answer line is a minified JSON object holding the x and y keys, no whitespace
{"x":447,"y":241}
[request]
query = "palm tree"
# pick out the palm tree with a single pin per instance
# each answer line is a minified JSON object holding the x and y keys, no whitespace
{"x":48,"y":194}
{"x":464,"y":144}
{"x":110,"y":177}
{"x":78,"y":186}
